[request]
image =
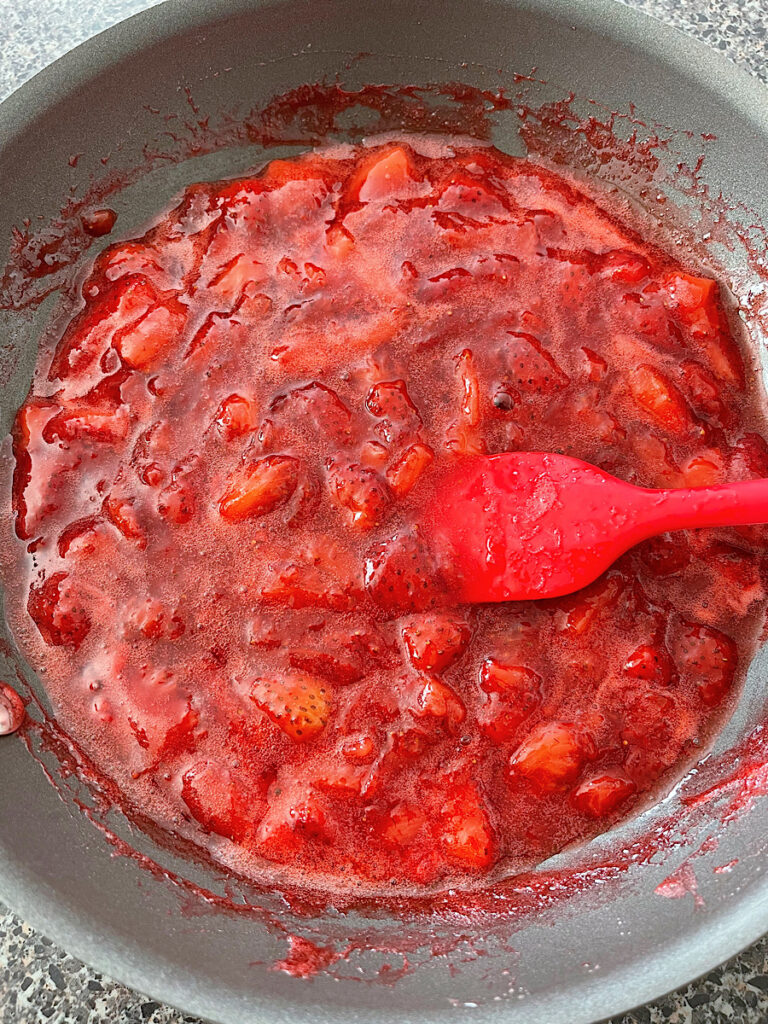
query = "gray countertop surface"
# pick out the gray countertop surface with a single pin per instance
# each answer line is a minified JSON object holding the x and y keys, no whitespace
{"x":42,"y":984}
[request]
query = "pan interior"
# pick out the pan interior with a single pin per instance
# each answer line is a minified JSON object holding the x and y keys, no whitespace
{"x":577,"y":960}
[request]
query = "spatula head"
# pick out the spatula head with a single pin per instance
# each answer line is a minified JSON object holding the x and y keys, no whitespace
{"x":531,"y":525}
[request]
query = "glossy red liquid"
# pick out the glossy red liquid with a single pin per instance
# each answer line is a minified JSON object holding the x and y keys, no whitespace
{"x":219,"y":479}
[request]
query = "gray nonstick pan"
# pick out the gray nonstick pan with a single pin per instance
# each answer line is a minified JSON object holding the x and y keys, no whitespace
{"x":179,"y":94}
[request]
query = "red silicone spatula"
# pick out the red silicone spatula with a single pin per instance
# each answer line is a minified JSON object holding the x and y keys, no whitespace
{"x":529,"y":525}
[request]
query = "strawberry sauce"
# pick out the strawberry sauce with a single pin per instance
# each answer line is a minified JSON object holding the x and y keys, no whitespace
{"x":219,"y":478}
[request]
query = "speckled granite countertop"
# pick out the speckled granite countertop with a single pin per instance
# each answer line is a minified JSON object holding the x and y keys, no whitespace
{"x":40,"y":983}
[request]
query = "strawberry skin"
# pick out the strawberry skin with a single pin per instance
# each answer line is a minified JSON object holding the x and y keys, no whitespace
{"x":400,"y":575}
{"x":299,"y":704}
{"x":358,"y":490}
{"x":391,"y":404}
{"x":532,"y":368}
{"x":710,"y":657}
{"x":434,"y":641}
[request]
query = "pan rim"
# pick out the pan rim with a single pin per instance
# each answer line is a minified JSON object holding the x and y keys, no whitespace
{"x":728,"y":931}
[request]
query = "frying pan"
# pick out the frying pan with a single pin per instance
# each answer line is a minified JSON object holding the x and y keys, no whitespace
{"x":576,"y":959}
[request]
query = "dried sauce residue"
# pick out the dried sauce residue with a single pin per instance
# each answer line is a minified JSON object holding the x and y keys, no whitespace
{"x":682,"y":882}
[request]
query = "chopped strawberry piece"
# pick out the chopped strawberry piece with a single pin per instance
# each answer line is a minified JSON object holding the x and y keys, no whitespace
{"x":299,"y":704}
{"x":604,"y":426}
{"x":437,"y":700}
{"x":710,"y":658}
{"x":306,"y":586}
{"x":91,"y":334}
{"x":403,"y":824}
{"x":358,"y":490}
{"x":410,"y":465}
{"x":462,"y":439}
{"x":597,"y":365}
{"x":314,"y":278}
{"x":235,"y":417}
{"x":574,"y":279}
{"x":388,"y":175}
{"x":340,"y":779}
{"x":317,"y":405}
{"x":122,"y":513}
{"x":127,"y":258}
{"x":141,"y":344}
{"x":164,"y":727}
{"x":58,"y":611}
{"x":252,"y":307}
{"x":231,"y":280}
{"x":406,"y":745}
{"x":500,"y":719}
{"x":401,"y":576}
{"x":749,"y":457}
{"x":339,"y":241}
{"x":658,"y":730}
{"x":283,"y":172}
{"x":176,"y":503}
{"x":657,"y":396}
{"x":603,"y":794}
{"x":470,"y":388}
{"x":531,"y":367}
{"x":465,"y":830}
{"x":263,"y":632}
{"x":591,"y":603}
{"x":360,"y":749}
{"x":218,"y":800}
{"x":36,"y":466}
{"x":84,"y":537}
{"x":552,"y":756}
{"x":625,"y":266}
{"x":650,"y":662}
{"x":296,"y":816}
{"x":654,"y":463}
{"x":703,"y":393}
{"x":375,"y":456}
{"x":215,"y":333}
{"x":258,"y":488}
{"x":696,"y":300}
{"x":649,"y":715}
{"x":435,"y":640}
{"x":742,"y":574}
{"x":703,"y":470}
{"x":154,"y":619}
{"x":390,"y":403}
{"x":83,"y":423}
{"x":150,"y":473}
{"x":310,"y":349}
{"x":514,"y":693}
{"x":509,"y":680}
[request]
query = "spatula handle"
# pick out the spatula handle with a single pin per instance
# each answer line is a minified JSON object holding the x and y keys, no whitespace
{"x":736,"y":504}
